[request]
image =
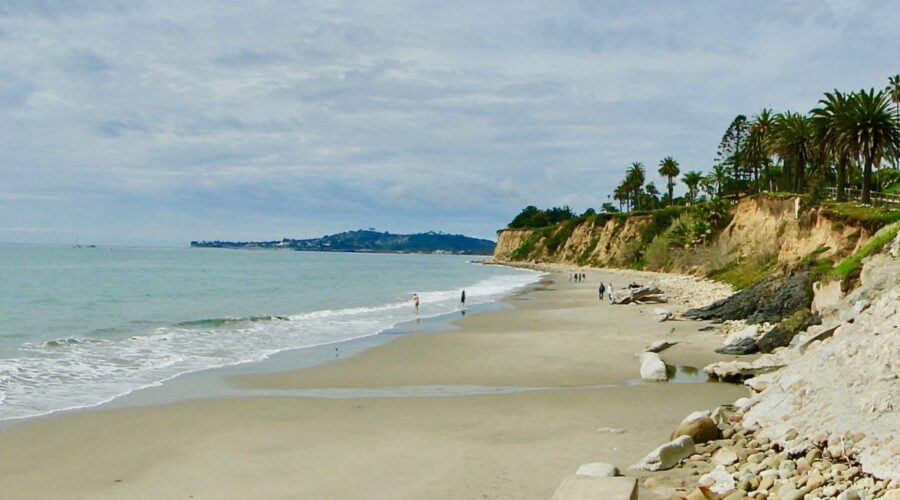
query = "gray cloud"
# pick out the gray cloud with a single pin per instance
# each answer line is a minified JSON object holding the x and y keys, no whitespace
{"x":165,"y":121}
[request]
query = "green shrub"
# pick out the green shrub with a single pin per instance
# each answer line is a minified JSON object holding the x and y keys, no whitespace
{"x":657,"y":256}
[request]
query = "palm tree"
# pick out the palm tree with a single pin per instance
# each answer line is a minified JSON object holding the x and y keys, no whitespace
{"x":792,"y":142}
{"x":870,"y":131}
{"x":758,"y":144}
{"x":635,"y":178}
{"x":692,"y":180}
{"x":668,"y":168}
{"x":718,"y":177}
{"x":829,"y":140}
{"x":893,"y":91}
{"x":652,"y":195}
{"x":622,"y":194}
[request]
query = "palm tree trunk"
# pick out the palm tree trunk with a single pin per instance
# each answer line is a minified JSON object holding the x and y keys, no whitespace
{"x":842,"y":179}
{"x":867,"y":181}
{"x":671,"y":188}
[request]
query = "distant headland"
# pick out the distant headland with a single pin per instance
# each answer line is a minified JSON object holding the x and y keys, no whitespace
{"x":369,"y":241}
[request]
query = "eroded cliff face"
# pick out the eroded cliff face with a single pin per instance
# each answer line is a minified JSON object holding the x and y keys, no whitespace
{"x":596,"y":243}
{"x":760,"y":225}
{"x":778,"y":226}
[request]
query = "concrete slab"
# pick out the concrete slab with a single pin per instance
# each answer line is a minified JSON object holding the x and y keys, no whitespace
{"x":597,"y":488}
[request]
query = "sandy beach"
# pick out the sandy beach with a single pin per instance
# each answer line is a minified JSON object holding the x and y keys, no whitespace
{"x":503,"y":406}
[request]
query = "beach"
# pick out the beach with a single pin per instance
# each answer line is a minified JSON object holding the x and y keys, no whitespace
{"x":504,"y":405}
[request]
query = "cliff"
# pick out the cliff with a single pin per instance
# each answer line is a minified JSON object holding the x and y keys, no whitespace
{"x":763,"y":228}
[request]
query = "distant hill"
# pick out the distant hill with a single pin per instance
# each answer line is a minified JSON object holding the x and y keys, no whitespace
{"x":369,"y":241}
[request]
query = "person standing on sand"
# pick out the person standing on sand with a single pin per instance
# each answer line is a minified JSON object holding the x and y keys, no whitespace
{"x":601,"y":290}
{"x":415,"y":301}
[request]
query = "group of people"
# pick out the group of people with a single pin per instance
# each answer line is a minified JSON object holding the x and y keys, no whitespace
{"x":605,"y":289}
{"x":462,"y":301}
{"x":577,"y":277}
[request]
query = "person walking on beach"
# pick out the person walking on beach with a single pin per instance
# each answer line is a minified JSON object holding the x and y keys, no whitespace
{"x":462,"y":299}
{"x":601,"y":290}
{"x":415,"y":301}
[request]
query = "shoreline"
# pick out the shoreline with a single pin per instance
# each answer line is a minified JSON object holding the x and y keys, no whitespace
{"x":548,"y":339}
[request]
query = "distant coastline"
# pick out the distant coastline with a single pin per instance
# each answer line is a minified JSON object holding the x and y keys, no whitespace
{"x":368,"y":241}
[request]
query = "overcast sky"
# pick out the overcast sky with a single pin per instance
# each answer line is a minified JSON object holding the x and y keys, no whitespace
{"x":158,"y":122}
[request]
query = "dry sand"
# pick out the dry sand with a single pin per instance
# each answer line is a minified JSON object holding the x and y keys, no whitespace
{"x":517,"y":445}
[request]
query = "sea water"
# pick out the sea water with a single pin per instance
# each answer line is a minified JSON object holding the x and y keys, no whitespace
{"x":82,"y":326}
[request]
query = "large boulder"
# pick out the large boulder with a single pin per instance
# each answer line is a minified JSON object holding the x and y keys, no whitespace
{"x":770,"y":300}
{"x":667,"y":455}
{"x":652,"y":367}
{"x":700,"y":430}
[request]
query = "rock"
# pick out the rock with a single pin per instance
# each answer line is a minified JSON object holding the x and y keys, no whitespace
{"x":701,"y":493}
{"x":597,"y":469}
{"x":766,"y":482}
{"x":814,"y":482}
{"x":749,"y":332}
{"x":700,"y":430}
{"x":725,"y":456}
{"x":890,"y":495}
{"x":718,"y":480}
{"x":659,"y":346}
{"x":784,"y":332}
{"x":743,"y":346}
{"x":661,"y":314}
{"x":736,"y":495}
{"x":666,"y":456}
{"x":652,"y":367}
{"x":850,"y":495}
{"x":736,"y":371}
{"x":787,"y":469}
{"x":611,"y":430}
{"x":743,"y":404}
{"x":770,"y":300}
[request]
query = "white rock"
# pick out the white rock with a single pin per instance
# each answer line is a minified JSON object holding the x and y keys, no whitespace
{"x":724,"y":456}
{"x":597,"y":469}
{"x":747,"y":333}
{"x":848,"y":495}
{"x":743,"y":404}
{"x":659,"y":346}
{"x":667,"y":455}
{"x":718,"y":480}
{"x":662,"y":314}
{"x":652,"y":367}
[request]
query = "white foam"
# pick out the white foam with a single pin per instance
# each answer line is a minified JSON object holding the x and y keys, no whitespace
{"x":75,"y":373}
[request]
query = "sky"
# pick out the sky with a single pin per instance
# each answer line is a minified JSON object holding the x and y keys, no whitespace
{"x":159,"y":122}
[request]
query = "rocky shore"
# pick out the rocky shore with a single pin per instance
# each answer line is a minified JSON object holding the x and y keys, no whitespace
{"x":741,"y":462}
{"x":823,"y":416}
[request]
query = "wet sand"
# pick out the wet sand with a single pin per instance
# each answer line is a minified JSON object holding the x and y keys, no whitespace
{"x":503,"y":407}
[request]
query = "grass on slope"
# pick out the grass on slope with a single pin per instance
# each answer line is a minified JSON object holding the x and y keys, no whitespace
{"x":850,"y":266}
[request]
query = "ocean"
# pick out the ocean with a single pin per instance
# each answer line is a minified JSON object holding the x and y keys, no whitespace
{"x":82,"y":326}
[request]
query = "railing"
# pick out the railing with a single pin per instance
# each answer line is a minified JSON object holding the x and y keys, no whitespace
{"x":876,"y":197}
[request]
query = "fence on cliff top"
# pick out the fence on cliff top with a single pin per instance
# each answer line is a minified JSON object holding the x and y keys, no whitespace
{"x":878,"y":198}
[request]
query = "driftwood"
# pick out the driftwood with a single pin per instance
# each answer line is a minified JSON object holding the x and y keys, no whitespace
{"x":640,"y":295}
